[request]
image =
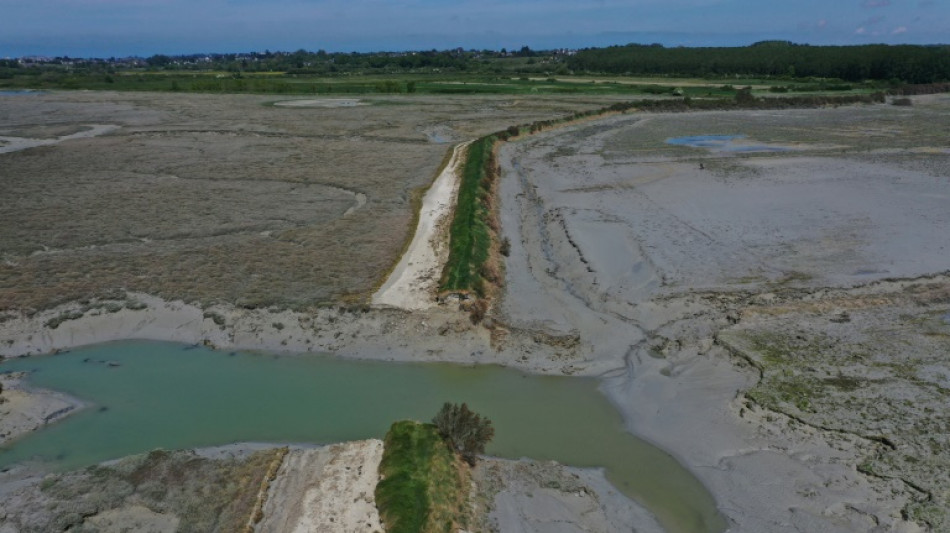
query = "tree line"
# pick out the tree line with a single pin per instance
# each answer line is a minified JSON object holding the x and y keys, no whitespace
{"x":900,"y":63}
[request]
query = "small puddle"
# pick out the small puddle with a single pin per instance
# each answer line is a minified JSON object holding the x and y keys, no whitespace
{"x":438,"y":138}
{"x":727,"y":143}
{"x":20,"y":92}
{"x":322,"y":102}
{"x":147,"y":395}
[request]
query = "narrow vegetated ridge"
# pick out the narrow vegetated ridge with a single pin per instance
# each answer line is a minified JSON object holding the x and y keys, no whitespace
{"x":424,"y":486}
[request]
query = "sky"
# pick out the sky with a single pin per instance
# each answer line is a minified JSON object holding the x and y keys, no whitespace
{"x":106,"y":28}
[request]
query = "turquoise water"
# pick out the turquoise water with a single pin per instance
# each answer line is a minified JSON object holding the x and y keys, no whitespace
{"x":725,"y":143}
{"x":146,"y":395}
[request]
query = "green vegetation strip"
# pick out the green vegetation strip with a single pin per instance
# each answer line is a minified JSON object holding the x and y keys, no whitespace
{"x":469,"y":234}
{"x":421,"y":490}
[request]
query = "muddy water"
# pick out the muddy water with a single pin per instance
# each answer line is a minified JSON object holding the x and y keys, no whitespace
{"x":145,"y":395}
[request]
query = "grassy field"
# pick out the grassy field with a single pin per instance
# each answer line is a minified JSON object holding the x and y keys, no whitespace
{"x":225,"y":198}
{"x":214,"y":81}
{"x":424,"y":486}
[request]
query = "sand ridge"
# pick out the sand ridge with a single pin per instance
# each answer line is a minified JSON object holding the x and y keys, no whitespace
{"x":413,"y":283}
{"x":325,"y":489}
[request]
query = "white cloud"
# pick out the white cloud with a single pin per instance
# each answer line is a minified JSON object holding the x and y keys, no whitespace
{"x":899,"y":30}
{"x":860,"y":31}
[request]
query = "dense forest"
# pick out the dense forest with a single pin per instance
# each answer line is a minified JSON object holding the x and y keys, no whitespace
{"x":906,"y":63}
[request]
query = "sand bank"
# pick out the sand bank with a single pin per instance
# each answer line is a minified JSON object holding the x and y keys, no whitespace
{"x":24,"y":409}
{"x":413,"y":283}
{"x":325,"y":489}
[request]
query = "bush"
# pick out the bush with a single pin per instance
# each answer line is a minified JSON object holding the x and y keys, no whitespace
{"x":744,"y":96}
{"x":478,"y":310}
{"x":466,"y":432}
{"x":505,"y":248}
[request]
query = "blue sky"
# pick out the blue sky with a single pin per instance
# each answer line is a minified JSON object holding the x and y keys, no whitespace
{"x":82,"y":28}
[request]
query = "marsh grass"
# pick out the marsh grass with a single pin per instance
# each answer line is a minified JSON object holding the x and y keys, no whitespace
{"x":423,"y":481}
{"x":469,"y":234}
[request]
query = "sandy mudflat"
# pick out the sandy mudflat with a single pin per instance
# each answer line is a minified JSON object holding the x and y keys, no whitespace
{"x":24,"y":409}
{"x":538,"y":497}
{"x":653,"y":250}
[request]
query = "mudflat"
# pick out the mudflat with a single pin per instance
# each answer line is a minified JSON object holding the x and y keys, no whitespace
{"x":747,"y":295}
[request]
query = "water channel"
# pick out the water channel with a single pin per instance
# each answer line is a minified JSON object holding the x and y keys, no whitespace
{"x":144,"y":395}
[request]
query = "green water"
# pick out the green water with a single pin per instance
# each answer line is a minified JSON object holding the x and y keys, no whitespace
{"x":162,"y":395}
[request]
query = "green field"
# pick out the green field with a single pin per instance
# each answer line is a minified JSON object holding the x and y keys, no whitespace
{"x":276,"y":82}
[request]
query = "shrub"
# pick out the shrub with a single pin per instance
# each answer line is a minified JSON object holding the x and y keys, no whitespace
{"x":478,"y":310}
{"x":466,"y":432}
{"x":505,"y":247}
{"x":744,"y":96}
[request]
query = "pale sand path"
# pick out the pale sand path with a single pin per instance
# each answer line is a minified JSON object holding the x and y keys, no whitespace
{"x":413,"y":282}
{"x":325,"y":489}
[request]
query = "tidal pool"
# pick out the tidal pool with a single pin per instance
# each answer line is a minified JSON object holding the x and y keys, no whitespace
{"x":145,"y":395}
{"x":726,"y":143}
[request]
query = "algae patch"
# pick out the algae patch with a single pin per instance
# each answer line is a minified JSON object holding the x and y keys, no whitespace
{"x":882,"y":375}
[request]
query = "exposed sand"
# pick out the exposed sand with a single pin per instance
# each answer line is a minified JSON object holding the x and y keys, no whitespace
{"x":413,"y":283}
{"x":325,"y":489}
{"x":24,"y":409}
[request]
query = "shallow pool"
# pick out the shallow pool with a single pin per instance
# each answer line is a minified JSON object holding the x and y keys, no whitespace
{"x":726,"y":143}
{"x":145,"y":395}
{"x":19,"y":92}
